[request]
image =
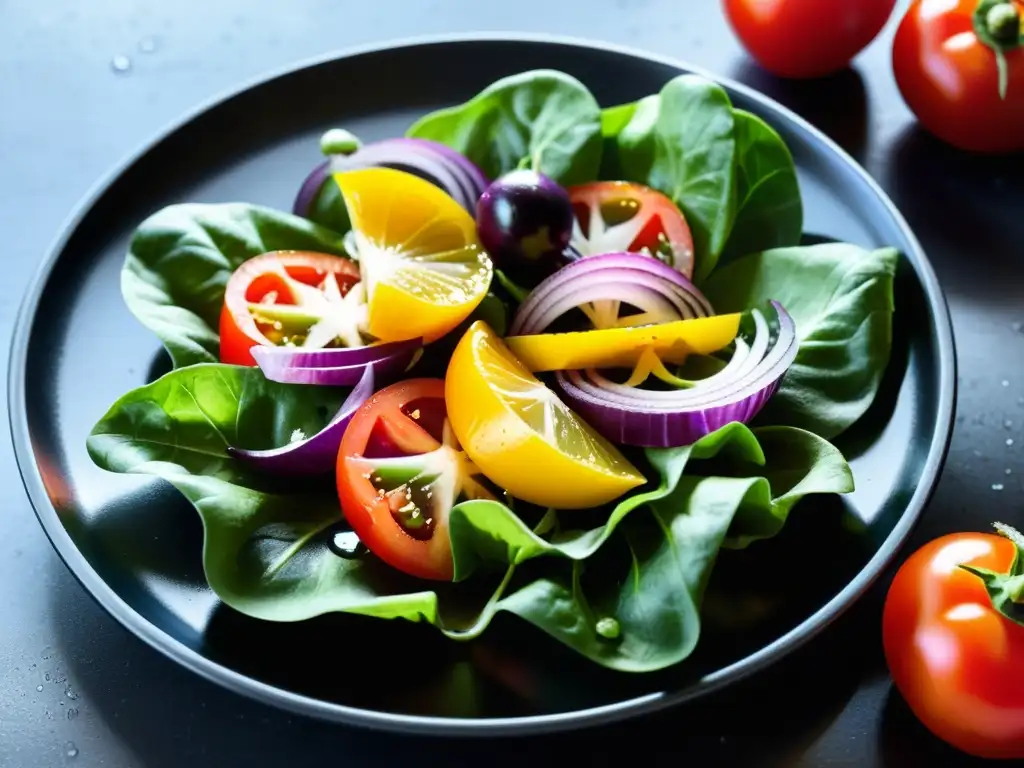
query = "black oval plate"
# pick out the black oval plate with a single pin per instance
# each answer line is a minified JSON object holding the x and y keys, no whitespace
{"x":135,"y":544}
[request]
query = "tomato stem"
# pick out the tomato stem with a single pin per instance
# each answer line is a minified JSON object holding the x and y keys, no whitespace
{"x":997,"y":24}
{"x":1010,"y":533}
{"x":1003,"y":22}
{"x":1006,"y":590}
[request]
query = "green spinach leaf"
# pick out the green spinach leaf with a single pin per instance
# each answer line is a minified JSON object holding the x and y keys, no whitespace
{"x":841,"y":299}
{"x":629,"y":598}
{"x":543,"y":119}
{"x":769,"y":210}
{"x":682,"y":143}
{"x":625,"y":594}
{"x":180,"y":260}
{"x":613,"y":121}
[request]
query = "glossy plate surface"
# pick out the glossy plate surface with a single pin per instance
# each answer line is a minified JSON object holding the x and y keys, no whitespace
{"x":135,"y":544}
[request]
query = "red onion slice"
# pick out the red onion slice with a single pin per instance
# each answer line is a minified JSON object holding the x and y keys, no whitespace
{"x":318,"y":454}
{"x":334,"y":367}
{"x":662,"y":419}
{"x":438,"y":164}
{"x":630,"y":278}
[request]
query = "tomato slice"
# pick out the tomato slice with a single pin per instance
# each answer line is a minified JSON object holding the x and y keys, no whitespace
{"x":400,"y":471}
{"x":293,"y":298}
{"x":614,"y":216}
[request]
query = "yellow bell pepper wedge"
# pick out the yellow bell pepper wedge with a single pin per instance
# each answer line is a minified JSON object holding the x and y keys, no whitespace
{"x":623,"y":347}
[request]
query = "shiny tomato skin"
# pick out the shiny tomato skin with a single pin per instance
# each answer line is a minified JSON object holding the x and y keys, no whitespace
{"x":806,"y":38}
{"x":367,"y":511}
{"x":238,"y":331}
{"x":663,"y":226}
{"x":950,"y":79}
{"x":957,"y":661}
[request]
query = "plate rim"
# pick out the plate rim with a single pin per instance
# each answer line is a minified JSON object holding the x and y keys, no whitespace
{"x":637,"y":706}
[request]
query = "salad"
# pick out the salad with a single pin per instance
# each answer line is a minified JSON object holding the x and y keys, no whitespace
{"x":536,"y":356}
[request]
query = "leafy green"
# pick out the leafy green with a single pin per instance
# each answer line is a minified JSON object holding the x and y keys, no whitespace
{"x":622,"y":585}
{"x":682,"y":143}
{"x":180,"y":260}
{"x":543,"y":119}
{"x":638,"y":577}
{"x":841,"y":299}
{"x":327,"y":208}
{"x":613,"y":121}
{"x":769,"y":210}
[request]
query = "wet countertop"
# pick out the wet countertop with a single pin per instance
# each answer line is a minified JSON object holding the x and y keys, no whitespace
{"x":82,"y":85}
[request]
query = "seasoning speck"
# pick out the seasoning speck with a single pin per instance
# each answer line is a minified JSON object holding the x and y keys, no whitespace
{"x":997,"y":486}
{"x":1009,"y":441}
{"x":1009,"y":471}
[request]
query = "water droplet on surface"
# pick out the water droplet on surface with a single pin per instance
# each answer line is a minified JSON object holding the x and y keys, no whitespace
{"x":72,"y":713}
{"x":347,"y":545}
{"x":997,"y":486}
{"x":1009,"y":441}
{"x":39,"y":688}
{"x":121,"y":64}
{"x":70,"y":749}
{"x":46,"y":677}
{"x":1008,"y":423}
{"x":1006,"y":383}
{"x":977,"y":453}
{"x":1018,"y":327}
{"x":70,"y":693}
{"x":1009,"y":471}
{"x":147,"y":45}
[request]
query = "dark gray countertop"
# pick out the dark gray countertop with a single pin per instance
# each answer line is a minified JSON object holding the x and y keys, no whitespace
{"x":83,"y":84}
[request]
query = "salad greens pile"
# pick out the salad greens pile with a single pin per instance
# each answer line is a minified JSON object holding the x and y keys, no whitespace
{"x":623,"y":584}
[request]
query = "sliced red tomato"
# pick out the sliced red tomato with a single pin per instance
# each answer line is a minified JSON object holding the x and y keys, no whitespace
{"x":614,"y":216}
{"x":399,"y":473}
{"x":295,"y":298}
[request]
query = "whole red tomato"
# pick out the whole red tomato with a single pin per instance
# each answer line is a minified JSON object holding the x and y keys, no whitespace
{"x":945,"y":57}
{"x":806,"y":38}
{"x":953,"y":649}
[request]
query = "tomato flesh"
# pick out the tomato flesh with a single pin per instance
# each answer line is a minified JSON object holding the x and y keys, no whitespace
{"x":613,"y":216}
{"x":399,"y":472}
{"x":957,"y":661}
{"x":950,"y":79}
{"x":806,"y":38}
{"x":262,"y":290}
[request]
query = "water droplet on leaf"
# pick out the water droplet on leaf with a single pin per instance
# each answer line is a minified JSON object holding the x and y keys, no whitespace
{"x":608,"y":628}
{"x":347,"y":545}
